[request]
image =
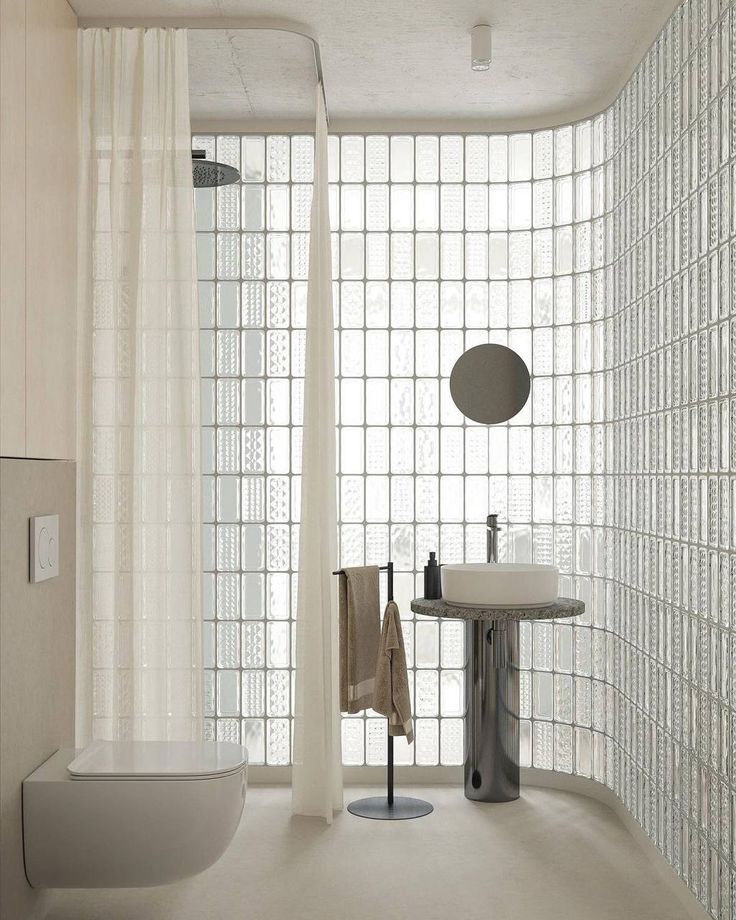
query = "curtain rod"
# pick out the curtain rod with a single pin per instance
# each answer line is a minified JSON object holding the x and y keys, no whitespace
{"x":214,"y":24}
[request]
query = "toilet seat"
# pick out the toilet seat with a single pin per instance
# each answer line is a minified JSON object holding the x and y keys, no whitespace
{"x":152,"y":760}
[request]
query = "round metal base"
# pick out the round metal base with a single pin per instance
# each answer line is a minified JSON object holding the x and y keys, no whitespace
{"x":378,"y":808}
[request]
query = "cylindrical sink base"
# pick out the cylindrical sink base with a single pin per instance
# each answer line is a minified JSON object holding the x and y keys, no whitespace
{"x":492,"y":710}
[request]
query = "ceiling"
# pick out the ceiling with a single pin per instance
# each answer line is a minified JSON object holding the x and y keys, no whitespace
{"x":250,"y":75}
{"x":404,"y":64}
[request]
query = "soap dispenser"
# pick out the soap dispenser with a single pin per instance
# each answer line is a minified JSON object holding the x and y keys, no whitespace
{"x":432,"y":583}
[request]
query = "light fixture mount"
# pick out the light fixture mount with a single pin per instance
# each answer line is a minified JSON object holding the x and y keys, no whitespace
{"x":480,"y":47}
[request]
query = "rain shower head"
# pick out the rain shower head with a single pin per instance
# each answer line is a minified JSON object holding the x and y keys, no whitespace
{"x":208,"y":174}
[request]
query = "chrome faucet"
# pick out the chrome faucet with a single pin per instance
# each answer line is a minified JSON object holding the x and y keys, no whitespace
{"x":492,"y":529}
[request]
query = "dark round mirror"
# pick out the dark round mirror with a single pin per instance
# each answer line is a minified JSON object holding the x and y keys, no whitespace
{"x":490,"y":384}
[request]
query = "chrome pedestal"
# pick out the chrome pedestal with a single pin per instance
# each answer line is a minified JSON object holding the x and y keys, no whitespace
{"x":492,"y":710}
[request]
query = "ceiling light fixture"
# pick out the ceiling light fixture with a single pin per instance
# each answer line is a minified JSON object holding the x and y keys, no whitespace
{"x":480,"y":47}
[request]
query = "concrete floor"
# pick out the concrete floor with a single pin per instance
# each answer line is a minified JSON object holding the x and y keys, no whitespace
{"x":549,"y":856}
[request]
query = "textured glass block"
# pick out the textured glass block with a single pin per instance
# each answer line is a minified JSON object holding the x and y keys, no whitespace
{"x":278,"y":745}
{"x":228,"y":598}
{"x":451,"y":741}
{"x":543,"y":745}
{"x":253,"y":255}
{"x":228,"y":730}
{"x":228,"y":645}
{"x":376,"y":733}
{"x":253,"y":303}
{"x":426,"y":741}
{"x":376,"y":158}
{"x":253,"y":645}
{"x":353,"y":742}
{"x":278,"y":690}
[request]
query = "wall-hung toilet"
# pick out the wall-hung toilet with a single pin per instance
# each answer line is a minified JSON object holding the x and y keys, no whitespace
{"x":131,"y":814}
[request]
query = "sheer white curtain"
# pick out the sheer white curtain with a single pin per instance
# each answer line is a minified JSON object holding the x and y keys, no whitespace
{"x":317,"y":770}
{"x":139,"y":629}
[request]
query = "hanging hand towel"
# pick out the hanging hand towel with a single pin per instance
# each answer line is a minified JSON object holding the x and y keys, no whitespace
{"x":359,"y":637}
{"x":391,"y":696}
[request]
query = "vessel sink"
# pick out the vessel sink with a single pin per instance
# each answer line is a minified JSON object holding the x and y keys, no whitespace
{"x":494,"y":584}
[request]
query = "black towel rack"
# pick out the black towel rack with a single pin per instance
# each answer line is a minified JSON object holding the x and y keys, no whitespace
{"x":392,"y":807}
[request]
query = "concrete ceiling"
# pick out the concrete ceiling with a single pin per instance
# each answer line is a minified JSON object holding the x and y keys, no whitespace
{"x":237,"y":75}
{"x":404,"y":64}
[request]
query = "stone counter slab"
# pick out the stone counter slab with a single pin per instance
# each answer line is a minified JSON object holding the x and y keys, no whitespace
{"x":562,"y":608}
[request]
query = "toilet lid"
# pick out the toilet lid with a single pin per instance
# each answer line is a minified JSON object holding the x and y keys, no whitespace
{"x":158,"y":760}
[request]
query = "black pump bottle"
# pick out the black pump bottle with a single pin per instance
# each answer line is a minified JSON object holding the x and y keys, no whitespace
{"x":432,"y":583}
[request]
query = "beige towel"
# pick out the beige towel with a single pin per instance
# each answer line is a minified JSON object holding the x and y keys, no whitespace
{"x":392,"y":697}
{"x":359,"y":637}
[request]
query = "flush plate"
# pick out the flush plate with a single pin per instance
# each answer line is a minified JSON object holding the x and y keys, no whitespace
{"x":44,"y":554}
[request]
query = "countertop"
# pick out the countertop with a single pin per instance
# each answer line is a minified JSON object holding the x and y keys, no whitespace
{"x":562,"y":608}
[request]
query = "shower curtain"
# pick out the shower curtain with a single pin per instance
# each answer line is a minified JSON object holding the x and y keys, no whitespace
{"x":317,"y":769}
{"x":139,"y":629}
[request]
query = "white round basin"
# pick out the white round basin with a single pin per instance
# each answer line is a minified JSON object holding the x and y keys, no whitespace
{"x":494,"y":584}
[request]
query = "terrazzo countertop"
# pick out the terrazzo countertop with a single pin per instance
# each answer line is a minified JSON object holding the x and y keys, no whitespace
{"x":562,"y":608}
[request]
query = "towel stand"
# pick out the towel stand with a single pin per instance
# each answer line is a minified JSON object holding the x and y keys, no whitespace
{"x":392,"y":807}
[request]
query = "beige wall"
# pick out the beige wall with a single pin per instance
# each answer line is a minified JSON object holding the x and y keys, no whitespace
{"x":38,"y":204}
{"x":38,"y":262}
{"x":37,"y":647}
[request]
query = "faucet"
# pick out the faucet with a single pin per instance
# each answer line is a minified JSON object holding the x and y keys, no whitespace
{"x":496,"y":629}
{"x":492,"y":529}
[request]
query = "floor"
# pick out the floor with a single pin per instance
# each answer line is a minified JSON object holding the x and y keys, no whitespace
{"x":551,"y":855}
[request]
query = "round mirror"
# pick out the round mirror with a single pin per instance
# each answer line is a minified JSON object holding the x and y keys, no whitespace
{"x":490,"y":384}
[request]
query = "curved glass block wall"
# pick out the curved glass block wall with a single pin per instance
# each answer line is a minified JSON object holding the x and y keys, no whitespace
{"x":441,"y":242}
{"x":604,"y":253}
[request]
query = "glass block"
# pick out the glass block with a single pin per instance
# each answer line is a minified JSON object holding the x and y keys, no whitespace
{"x":426,"y":741}
{"x":252,"y":596}
{"x":278,"y":745}
{"x":497,"y":158}
{"x":253,"y":158}
{"x":228,"y":730}
{"x":228,"y":598}
{"x":376,"y":737}
{"x":476,"y":158}
{"x":253,"y":645}
{"x":253,"y":736}
{"x":353,"y":742}
{"x":427,"y":644}
{"x":402,"y":158}
{"x":451,"y":741}
{"x":427,"y":159}
{"x":520,"y":157}
{"x":228,"y":645}
{"x":451,"y":693}
{"x":228,"y":693}
{"x":278,"y":701}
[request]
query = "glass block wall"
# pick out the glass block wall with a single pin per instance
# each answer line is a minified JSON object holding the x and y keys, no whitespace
{"x":603,"y":252}
{"x":441,"y":242}
{"x":665,"y":562}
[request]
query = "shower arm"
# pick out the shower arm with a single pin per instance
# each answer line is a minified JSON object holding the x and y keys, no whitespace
{"x":215,"y":24}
